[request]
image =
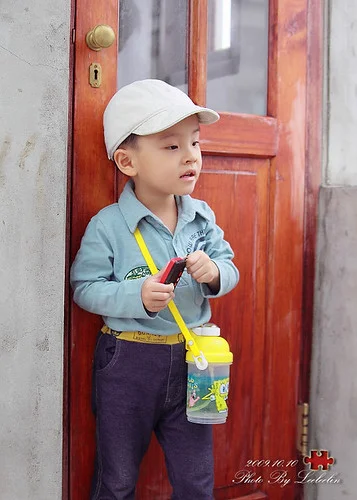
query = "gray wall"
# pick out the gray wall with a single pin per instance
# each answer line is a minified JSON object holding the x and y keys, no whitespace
{"x":333,"y":412}
{"x":341,"y":93}
{"x":34,"y":57}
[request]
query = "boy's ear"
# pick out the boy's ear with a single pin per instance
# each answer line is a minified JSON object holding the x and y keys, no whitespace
{"x":123,"y":160}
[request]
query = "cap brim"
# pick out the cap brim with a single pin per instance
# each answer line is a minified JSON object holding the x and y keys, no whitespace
{"x":167,"y":118}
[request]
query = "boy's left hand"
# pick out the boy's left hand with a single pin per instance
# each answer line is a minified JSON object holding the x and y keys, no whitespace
{"x":203,"y":269}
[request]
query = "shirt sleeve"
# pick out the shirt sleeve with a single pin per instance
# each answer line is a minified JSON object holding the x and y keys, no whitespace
{"x":92,"y":281}
{"x":219,"y":250}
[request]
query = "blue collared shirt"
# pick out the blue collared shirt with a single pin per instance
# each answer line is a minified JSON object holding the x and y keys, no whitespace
{"x":109,"y":269}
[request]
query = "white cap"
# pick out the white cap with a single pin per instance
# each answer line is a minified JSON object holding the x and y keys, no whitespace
{"x":207,"y":330}
{"x":146,"y":107}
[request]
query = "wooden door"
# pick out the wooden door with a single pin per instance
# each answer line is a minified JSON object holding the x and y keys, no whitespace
{"x":254,"y":179}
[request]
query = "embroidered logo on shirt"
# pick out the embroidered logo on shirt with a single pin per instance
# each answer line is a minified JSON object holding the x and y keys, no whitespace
{"x":138,"y":272}
{"x":196,"y":241}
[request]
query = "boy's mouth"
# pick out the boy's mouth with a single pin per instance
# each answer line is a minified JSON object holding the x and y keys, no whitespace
{"x":188,"y":173}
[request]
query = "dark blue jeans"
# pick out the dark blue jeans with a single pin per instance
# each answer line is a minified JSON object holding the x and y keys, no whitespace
{"x":139,"y":388}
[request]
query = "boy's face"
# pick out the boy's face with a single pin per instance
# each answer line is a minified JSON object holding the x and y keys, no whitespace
{"x":168,"y":162}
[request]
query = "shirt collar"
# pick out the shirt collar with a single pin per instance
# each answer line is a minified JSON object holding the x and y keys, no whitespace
{"x":133,"y":210}
{"x":188,"y":208}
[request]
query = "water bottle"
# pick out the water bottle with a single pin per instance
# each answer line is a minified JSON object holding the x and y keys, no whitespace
{"x":207,"y":390}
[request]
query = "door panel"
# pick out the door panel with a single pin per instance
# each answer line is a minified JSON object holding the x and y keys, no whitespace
{"x":253,"y":178}
{"x":237,"y":189}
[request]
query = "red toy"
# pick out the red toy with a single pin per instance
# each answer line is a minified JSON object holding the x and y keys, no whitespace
{"x":173,"y":271}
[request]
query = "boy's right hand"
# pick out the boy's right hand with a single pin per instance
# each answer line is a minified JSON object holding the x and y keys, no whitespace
{"x":155,"y":295}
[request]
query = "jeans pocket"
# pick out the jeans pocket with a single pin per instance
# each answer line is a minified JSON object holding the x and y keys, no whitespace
{"x":106,"y":353}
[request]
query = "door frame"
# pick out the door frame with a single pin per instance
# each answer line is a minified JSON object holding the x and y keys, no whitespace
{"x":313,"y":175}
{"x":313,"y":159}
{"x":67,"y":287}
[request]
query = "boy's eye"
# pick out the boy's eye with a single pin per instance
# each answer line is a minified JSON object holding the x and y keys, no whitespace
{"x":196,"y":143}
{"x":172,"y":147}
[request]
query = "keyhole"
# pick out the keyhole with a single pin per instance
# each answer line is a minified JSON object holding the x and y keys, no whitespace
{"x":95,"y":75}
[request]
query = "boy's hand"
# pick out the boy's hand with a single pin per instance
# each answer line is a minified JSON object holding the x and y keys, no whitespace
{"x":156,"y":295}
{"x":203,"y":269}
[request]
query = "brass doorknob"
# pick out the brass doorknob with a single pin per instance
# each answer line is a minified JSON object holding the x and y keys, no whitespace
{"x":100,"y":37}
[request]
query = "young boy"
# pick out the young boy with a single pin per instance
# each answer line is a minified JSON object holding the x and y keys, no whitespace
{"x":151,"y":132}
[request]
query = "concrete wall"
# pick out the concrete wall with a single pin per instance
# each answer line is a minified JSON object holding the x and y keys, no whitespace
{"x":334,"y":383}
{"x":333,"y":412}
{"x":34,"y":56}
{"x":341,"y":93}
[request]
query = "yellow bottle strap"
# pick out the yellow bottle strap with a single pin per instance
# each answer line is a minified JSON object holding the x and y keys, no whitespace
{"x":190,"y":342}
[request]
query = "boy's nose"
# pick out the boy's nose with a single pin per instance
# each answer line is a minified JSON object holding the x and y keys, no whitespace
{"x":191,"y":155}
{"x":190,"y":159}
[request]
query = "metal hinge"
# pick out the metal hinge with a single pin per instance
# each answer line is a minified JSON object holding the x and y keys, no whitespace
{"x":302,"y":428}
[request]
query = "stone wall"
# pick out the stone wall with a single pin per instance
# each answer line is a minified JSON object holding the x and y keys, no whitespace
{"x":34,"y":55}
{"x":333,"y":402}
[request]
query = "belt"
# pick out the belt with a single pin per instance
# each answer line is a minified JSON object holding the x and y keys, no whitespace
{"x":144,"y":337}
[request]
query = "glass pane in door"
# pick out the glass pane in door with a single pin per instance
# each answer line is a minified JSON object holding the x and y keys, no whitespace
{"x":152,"y":41}
{"x":237,"y":64}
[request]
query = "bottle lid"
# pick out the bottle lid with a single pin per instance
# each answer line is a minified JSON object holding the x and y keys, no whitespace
{"x":215,"y":349}
{"x":207,"y":330}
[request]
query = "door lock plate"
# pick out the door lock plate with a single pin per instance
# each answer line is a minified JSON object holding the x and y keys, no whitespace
{"x":95,"y":75}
